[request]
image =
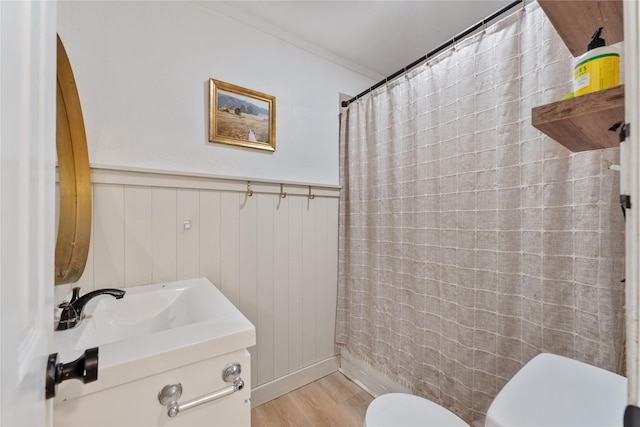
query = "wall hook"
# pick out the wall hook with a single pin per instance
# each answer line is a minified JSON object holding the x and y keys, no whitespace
{"x":311,"y":196}
{"x":283,"y":194}
{"x":249,"y":190}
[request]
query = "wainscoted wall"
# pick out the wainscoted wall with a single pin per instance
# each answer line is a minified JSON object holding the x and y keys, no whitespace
{"x":275,"y":258}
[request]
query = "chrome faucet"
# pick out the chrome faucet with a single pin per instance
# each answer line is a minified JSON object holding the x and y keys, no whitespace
{"x":72,"y":310}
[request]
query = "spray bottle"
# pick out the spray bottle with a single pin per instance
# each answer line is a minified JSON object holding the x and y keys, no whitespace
{"x":598,"y":68}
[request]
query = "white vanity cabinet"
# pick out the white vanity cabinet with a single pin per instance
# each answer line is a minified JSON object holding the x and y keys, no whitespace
{"x":159,"y":335}
{"x":136,"y":403}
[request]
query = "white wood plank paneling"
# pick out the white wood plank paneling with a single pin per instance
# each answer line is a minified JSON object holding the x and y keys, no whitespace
{"x":265,"y":265}
{"x":309,"y":332}
{"x":247,"y":274}
{"x":281,"y":265}
{"x":163,"y":243}
{"x":274,"y":258}
{"x":323,"y":340}
{"x":210,"y":236}
{"x":230,"y":256}
{"x":297,"y":205}
{"x":137,"y":236}
{"x":108,"y":236}
{"x":188,"y":241}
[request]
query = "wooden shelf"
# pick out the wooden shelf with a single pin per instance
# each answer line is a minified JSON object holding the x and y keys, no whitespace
{"x":583,"y":123}
{"x":576,"y":21}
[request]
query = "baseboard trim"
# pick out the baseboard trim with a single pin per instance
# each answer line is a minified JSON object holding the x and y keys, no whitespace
{"x":283,"y":385}
{"x":367,"y":377}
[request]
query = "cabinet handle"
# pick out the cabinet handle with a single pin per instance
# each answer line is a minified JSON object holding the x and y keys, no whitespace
{"x":171,"y":393}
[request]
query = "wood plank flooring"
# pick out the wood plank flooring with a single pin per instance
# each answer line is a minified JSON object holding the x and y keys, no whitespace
{"x":330,"y":401}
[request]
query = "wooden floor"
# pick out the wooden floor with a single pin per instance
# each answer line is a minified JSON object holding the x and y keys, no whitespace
{"x":331,"y":401}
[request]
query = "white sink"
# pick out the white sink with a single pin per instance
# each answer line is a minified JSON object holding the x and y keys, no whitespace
{"x":152,"y":329}
{"x":145,"y":310}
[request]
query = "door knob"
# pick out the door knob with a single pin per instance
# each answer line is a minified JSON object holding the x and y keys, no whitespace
{"x":84,"y":368}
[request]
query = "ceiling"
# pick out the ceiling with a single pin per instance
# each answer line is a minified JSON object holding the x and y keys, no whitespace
{"x":374,"y":38}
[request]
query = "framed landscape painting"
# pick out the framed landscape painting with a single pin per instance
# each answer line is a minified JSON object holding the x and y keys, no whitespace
{"x":242,"y":117}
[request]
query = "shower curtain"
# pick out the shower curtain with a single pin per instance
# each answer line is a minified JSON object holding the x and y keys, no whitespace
{"x":469,"y":241}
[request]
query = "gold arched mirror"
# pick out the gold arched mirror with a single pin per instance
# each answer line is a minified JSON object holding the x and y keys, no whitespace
{"x":74,"y":224}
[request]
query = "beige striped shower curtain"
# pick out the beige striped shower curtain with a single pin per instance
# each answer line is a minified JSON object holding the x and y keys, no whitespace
{"x":469,"y":241}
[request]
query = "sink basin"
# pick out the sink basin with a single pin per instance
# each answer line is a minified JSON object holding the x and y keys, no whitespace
{"x":145,"y":310}
{"x":152,"y":329}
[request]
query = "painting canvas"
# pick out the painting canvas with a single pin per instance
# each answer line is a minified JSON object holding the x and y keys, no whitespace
{"x":240,"y":116}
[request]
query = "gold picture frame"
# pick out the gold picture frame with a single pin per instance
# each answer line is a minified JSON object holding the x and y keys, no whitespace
{"x":241,"y":117}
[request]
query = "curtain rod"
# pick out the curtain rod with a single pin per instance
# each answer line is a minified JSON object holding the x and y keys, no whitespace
{"x":438,"y":49}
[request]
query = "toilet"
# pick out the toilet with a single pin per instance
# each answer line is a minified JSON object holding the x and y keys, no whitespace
{"x":549,"y":390}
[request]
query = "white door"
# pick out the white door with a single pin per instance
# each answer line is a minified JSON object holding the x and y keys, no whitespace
{"x":630,"y":185}
{"x":27,"y":179}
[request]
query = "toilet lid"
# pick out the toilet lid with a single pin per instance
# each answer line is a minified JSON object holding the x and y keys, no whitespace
{"x":406,"y":410}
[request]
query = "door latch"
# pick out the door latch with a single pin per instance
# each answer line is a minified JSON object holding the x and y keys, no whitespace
{"x":84,"y":368}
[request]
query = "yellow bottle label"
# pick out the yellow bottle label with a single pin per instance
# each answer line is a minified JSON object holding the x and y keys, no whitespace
{"x":596,"y":73}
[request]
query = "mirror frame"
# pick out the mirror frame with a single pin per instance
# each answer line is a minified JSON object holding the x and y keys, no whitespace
{"x":74,"y":175}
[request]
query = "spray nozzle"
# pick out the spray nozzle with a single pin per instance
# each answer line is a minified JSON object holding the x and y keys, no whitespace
{"x":596,"y":41}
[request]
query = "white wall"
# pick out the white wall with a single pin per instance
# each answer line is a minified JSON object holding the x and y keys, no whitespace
{"x":142,"y":71}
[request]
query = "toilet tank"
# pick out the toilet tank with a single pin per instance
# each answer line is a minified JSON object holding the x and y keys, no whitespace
{"x":552,"y":390}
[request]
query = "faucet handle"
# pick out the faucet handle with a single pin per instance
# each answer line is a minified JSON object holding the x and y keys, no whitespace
{"x":75,"y":294}
{"x":74,"y":297}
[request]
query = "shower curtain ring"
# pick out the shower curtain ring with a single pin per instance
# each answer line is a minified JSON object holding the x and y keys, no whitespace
{"x":249,"y":190}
